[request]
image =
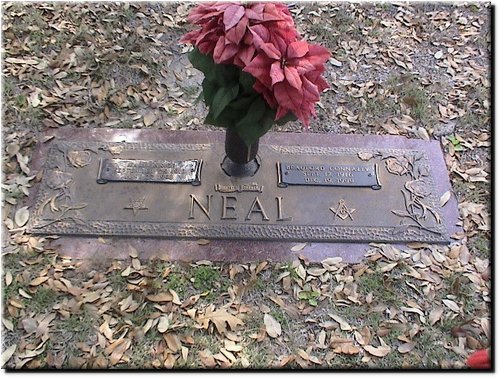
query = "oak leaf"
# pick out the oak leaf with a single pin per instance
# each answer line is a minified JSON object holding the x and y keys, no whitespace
{"x":219,"y":317}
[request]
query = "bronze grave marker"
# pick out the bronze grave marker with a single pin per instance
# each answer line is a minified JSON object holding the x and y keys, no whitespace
{"x":180,"y":191}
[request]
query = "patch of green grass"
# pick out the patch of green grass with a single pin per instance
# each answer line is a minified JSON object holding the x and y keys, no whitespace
{"x":383,"y":286}
{"x":430,"y":347}
{"x":118,"y":283}
{"x":478,"y":192}
{"x":288,"y":267}
{"x":79,"y":327}
{"x":381,"y":107}
{"x":140,"y":315}
{"x":279,"y":315}
{"x":140,"y":356}
{"x":177,"y":282}
{"x":358,"y":316}
{"x":43,"y":299}
{"x":480,"y":246}
{"x":344,"y":361}
{"x":21,"y":101}
{"x":410,"y":92}
{"x":205,"y":278}
{"x":9,"y":85}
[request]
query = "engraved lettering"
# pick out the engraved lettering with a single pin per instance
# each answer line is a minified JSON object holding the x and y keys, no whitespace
{"x":164,"y":171}
{"x":253,"y":187}
{"x":226,"y":207}
{"x":206,"y":210}
{"x":260,"y":209}
{"x":365,"y":175}
{"x":282,"y":218}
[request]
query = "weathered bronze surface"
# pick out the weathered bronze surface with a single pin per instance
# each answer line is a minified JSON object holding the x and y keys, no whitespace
{"x":361,"y":175}
{"x":153,"y":195}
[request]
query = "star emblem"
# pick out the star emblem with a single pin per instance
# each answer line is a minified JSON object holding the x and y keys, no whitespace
{"x":136,"y":204}
{"x":342,"y":211}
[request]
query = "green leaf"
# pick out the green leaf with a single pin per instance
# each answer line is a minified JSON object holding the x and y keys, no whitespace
{"x":247,"y":81}
{"x":258,"y":120}
{"x":225,"y":74}
{"x":202,"y":62}
{"x":254,"y":113}
{"x":222,"y":99}
{"x":209,"y":91}
{"x":242,"y":103}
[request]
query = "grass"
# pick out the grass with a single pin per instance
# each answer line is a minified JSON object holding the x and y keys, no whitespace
{"x":43,"y":299}
{"x":481,"y":246}
{"x":205,"y":278}
{"x":383,"y":286}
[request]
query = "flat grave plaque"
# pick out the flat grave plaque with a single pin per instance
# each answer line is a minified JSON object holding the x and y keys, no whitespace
{"x":299,"y":193}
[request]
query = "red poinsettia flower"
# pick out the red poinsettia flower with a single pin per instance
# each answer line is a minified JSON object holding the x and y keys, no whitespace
{"x":292,"y":74}
{"x":261,"y":39}
{"x":226,"y":29}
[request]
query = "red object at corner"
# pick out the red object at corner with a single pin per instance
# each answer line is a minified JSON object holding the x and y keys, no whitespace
{"x":479,"y":360}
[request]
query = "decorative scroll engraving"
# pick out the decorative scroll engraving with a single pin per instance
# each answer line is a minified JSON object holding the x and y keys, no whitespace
{"x":418,"y":192}
{"x":163,"y":171}
{"x":360,"y":175}
{"x":59,"y":189}
{"x":342,"y":211}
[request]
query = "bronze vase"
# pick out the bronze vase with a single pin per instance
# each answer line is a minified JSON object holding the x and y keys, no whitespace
{"x":240,"y":160}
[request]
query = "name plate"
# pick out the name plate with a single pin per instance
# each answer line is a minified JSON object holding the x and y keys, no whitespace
{"x":359,"y":175}
{"x":161,"y":171}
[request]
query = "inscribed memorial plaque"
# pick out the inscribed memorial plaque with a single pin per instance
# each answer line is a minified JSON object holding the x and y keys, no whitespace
{"x":298,"y":193}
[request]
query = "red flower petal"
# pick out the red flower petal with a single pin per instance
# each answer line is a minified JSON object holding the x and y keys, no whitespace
{"x":293,"y":77}
{"x":276,"y":73}
{"x":259,"y":67}
{"x":318,"y":55}
{"x":271,"y":51}
{"x":287,"y":96}
{"x":233,"y":15}
{"x":244,"y":56}
{"x":224,"y":50}
{"x":255,"y":12}
{"x":297,"y":49}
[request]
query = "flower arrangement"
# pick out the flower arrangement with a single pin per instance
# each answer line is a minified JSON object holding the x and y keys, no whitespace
{"x":257,"y":69}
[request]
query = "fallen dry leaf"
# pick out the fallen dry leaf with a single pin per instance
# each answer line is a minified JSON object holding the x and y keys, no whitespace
{"x":161,"y":297}
{"x":344,"y":326}
{"x":406,"y":347}
{"x":149,"y":119}
{"x":298,"y":247}
{"x":38,"y":281}
{"x":444,"y":198}
{"x":22,"y":216}
{"x":380,"y":351}
{"x":7,"y":354}
{"x":435,"y":315}
{"x":273,"y":328}
{"x":219,"y":317}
